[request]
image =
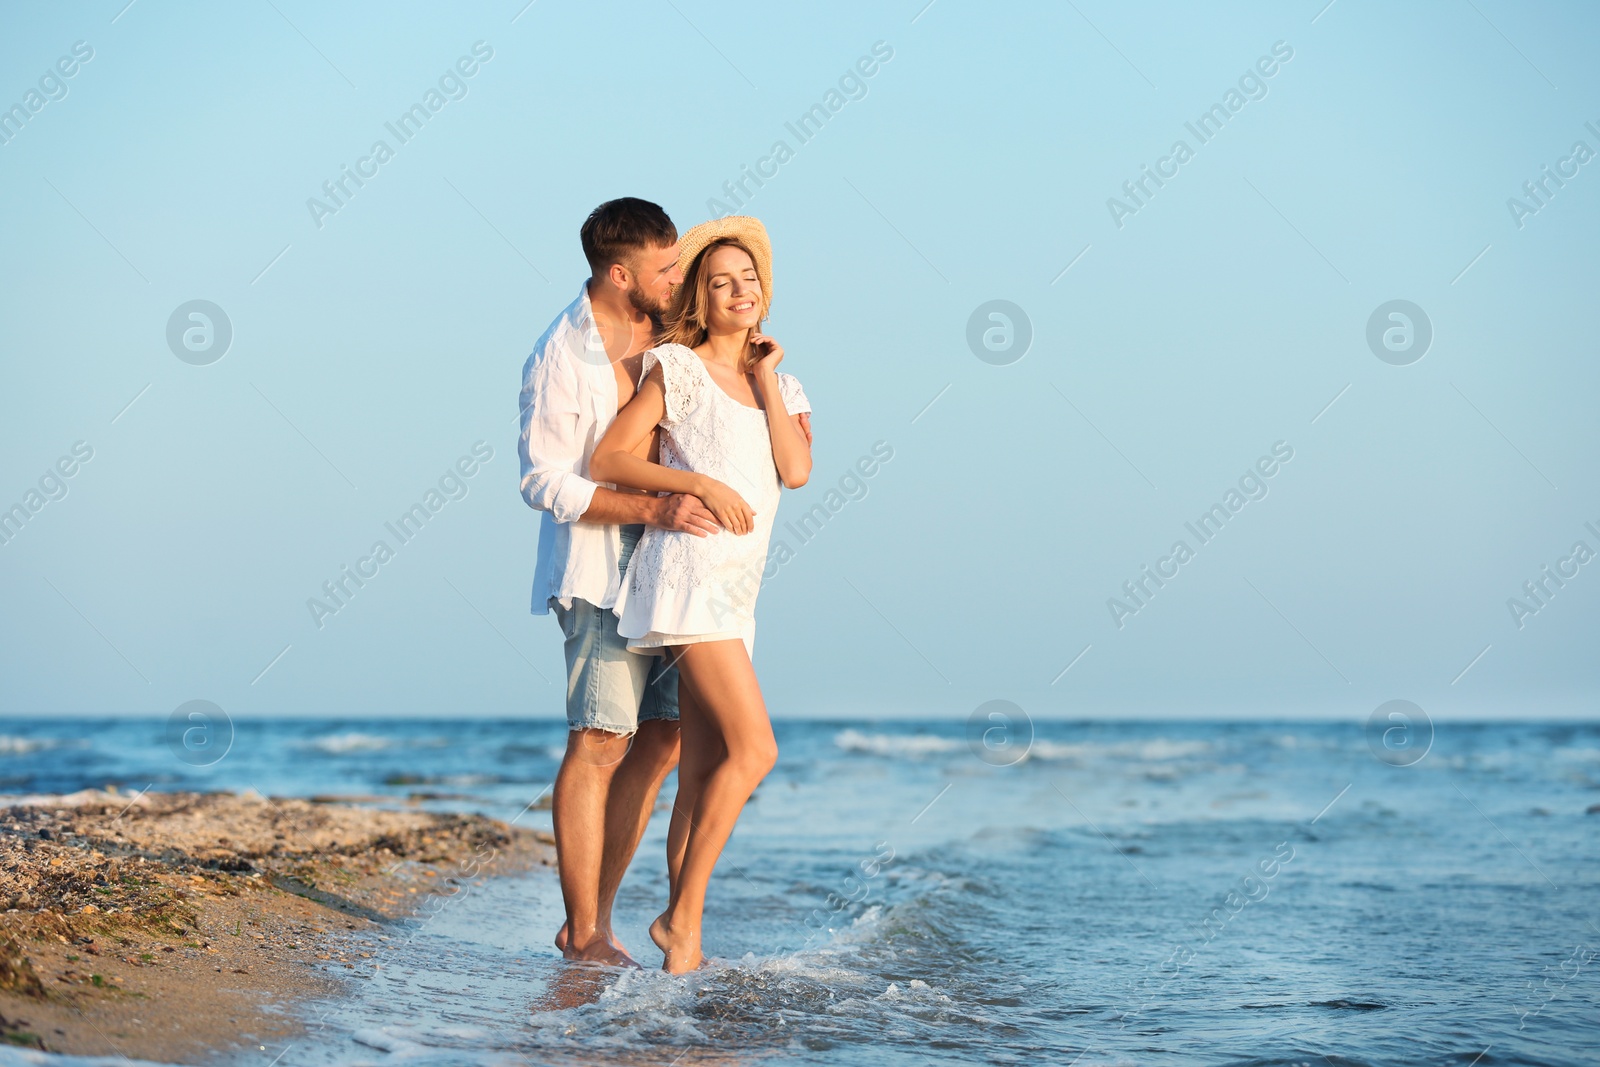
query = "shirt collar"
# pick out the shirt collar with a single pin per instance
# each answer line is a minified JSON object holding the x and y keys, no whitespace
{"x":585,"y":317}
{"x":591,"y":344}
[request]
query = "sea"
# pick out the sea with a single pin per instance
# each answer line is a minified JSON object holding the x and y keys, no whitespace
{"x":916,"y":893}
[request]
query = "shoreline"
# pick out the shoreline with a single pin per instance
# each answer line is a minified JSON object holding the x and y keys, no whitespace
{"x":184,"y":927}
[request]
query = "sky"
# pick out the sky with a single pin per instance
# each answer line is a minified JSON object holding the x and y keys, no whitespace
{"x":1341,"y":277}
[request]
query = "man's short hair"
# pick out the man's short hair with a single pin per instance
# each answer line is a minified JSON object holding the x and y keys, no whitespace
{"x":618,"y":229}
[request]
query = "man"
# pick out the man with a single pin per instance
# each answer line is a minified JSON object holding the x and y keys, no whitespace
{"x":622,"y":708}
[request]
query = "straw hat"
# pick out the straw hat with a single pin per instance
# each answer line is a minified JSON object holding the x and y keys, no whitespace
{"x":748,"y":231}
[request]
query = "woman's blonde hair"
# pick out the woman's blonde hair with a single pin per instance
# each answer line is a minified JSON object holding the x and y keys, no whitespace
{"x":685,"y":322}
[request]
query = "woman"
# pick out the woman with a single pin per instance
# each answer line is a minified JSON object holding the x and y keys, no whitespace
{"x":731,"y":434}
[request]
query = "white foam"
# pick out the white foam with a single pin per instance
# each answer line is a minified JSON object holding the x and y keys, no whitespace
{"x":1155,"y":750}
{"x":21,"y":746}
{"x":27,"y":1057}
{"x":356,"y":741}
{"x":894,"y":744}
{"x":651,"y":1008}
{"x":1162,"y":749}
{"x":916,"y":992}
{"x":384,"y":1040}
{"x":79,"y":799}
{"x":458,"y":1046}
{"x":1056,"y":750}
{"x":341,"y":744}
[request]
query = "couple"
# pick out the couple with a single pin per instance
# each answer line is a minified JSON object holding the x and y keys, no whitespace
{"x":656,"y":432}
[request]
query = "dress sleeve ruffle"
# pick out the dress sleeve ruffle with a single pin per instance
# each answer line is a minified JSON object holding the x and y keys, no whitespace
{"x":681,"y":380}
{"x":794,"y":397}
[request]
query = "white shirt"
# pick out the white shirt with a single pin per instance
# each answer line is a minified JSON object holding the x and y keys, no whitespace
{"x":569,"y":397}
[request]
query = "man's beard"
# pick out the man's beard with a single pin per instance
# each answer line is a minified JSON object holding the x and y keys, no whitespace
{"x":641,"y":302}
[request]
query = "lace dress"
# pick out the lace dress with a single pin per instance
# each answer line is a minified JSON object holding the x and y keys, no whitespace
{"x":681,"y":588}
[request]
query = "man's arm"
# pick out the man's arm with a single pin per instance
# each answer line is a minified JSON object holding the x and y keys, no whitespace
{"x":549,"y":446}
{"x":676,"y":512}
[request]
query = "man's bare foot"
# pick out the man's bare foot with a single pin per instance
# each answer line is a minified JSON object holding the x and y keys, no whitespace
{"x":599,"y":950}
{"x":681,"y":948}
{"x":561,"y":940}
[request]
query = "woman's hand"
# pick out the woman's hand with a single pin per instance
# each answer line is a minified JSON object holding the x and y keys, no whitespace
{"x":791,"y":434}
{"x":769,"y":353}
{"x":728,"y":506}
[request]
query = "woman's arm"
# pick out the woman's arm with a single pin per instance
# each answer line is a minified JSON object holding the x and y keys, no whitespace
{"x":791,"y":450}
{"x":617,"y":456}
{"x":615,"y":460}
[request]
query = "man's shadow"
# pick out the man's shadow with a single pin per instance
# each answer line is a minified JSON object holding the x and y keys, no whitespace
{"x":574,"y":985}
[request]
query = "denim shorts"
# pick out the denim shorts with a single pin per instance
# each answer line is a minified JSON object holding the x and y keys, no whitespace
{"x":608,"y":687}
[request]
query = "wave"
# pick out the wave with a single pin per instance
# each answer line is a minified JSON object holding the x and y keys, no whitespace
{"x":22,"y":746}
{"x":459,"y":780}
{"x":519,"y":749}
{"x":27,"y":1057}
{"x":1154,"y":750}
{"x":343,"y":744}
{"x":356,"y":742}
{"x":894,"y":744}
{"x":885,"y":971}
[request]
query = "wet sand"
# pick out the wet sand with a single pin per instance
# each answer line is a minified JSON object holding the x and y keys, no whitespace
{"x":181,"y":926}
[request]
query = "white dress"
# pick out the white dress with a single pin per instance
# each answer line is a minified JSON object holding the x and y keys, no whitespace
{"x":681,"y":588}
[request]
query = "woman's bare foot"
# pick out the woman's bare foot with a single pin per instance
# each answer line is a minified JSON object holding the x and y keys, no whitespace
{"x":681,"y":948}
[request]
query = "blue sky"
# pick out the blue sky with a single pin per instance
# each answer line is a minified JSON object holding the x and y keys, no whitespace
{"x":1172,"y":348}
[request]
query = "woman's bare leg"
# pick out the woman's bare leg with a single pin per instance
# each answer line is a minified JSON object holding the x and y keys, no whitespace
{"x":727,"y":699}
{"x":701,"y":750}
{"x":692,"y":766}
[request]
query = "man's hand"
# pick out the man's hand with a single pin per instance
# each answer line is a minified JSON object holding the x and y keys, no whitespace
{"x":683,"y":512}
{"x":805,"y":426}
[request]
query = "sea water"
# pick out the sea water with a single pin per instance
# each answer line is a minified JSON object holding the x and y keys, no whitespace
{"x":896,"y":893}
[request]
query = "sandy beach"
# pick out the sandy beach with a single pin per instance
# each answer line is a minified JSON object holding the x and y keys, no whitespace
{"x":179,"y":926}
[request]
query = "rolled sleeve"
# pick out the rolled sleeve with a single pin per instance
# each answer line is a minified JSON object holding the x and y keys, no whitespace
{"x":551,"y":442}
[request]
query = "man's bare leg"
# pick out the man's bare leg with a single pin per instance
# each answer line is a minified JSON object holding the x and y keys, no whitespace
{"x":630,"y":804}
{"x":578,"y":811}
